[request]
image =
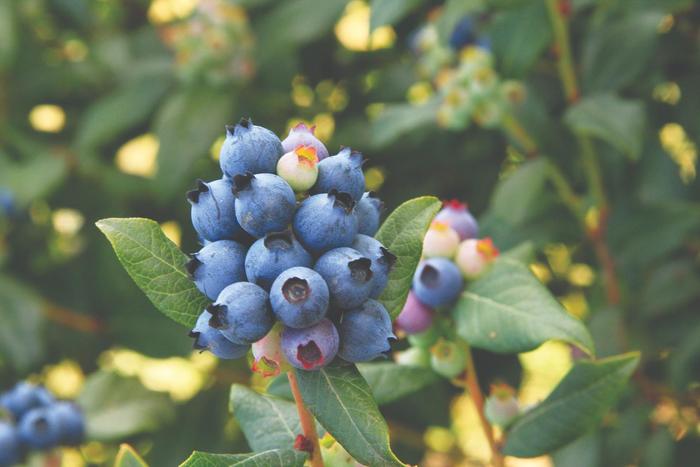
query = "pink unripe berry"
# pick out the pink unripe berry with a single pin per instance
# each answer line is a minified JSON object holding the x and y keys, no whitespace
{"x":302,"y":135}
{"x":473,"y":256}
{"x":440,"y":240}
{"x":299,"y":168}
{"x":268,"y":358}
{"x":457,"y":216}
{"x":415,"y":316}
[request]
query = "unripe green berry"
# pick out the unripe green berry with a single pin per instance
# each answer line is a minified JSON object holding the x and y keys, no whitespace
{"x":299,"y":168}
{"x":414,"y":356}
{"x":501,"y":407}
{"x":425,"y":339}
{"x":448,"y":358}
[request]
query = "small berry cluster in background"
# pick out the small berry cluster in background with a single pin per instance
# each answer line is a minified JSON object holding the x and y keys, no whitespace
{"x":34,"y":420}
{"x":463,"y":72}
{"x":289,"y":258}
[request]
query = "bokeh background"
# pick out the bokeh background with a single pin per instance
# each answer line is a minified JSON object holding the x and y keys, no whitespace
{"x":112,"y":108}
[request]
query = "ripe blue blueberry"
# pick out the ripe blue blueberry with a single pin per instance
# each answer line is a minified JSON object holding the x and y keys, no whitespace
{"x":217,"y":265}
{"x":326,"y":221}
{"x":457,"y":216}
{"x":302,"y":135}
{"x":382,"y":261}
{"x":264,"y":203}
{"x":268,"y":257}
{"x":213,"y":211}
{"x":437,"y":282}
{"x":369,"y":210}
{"x":415,"y":317}
{"x":342,"y":172}
{"x":365,"y":332}
{"x":310,"y":348}
{"x":242,"y":313}
{"x":249,"y":148}
{"x":208,"y":338}
{"x":463,"y":34}
{"x":10,"y":447}
{"x":349,"y":276}
{"x":71,"y":422}
{"x":299,"y":297}
{"x":23,"y":397}
{"x":39,"y":428}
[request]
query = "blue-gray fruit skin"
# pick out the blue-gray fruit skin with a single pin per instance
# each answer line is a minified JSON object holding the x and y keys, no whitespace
{"x":382,"y":261}
{"x":273,"y":254}
{"x":242,"y":313}
{"x":23,"y":397}
{"x":310,"y":348}
{"x":342,"y":172}
{"x":369,"y":210}
{"x":326,"y":221}
{"x":437,"y":282}
{"x":10,"y":447}
{"x":264,"y":203}
{"x":213,"y":211}
{"x":249,"y":148}
{"x":71,"y":422}
{"x":39,"y":429}
{"x":365,"y":332}
{"x":207,"y":338}
{"x":217,"y":265}
{"x":299,"y":297}
{"x":349,"y":276}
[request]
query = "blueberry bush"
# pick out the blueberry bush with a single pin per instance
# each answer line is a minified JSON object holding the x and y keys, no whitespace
{"x":349,"y":308}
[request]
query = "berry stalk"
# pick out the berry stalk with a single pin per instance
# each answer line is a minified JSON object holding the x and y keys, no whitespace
{"x":560,"y":28}
{"x":472,"y":383}
{"x":308,"y":425}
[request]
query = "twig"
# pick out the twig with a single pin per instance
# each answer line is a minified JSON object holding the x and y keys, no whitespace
{"x":308,"y":425}
{"x":71,"y":319}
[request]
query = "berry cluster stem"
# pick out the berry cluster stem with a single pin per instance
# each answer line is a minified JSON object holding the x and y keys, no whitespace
{"x":565,"y":62}
{"x":472,"y":383}
{"x":308,"y":424}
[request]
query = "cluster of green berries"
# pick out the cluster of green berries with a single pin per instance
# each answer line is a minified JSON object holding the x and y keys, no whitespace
{"x":288,"y":258}
{"x":32,"y":419}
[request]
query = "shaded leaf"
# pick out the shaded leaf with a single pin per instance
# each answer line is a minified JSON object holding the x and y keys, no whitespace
{"x":341,"y":401}
{"x":390,"y":11}
{"x":508,"y":310}
{"x":156,"y":265}
{"x":402,"y":233}
{"x":515,"y":196}
{"x":33,"y":179}
{"x":616,"y":121}
{"x":575,"y":406}
{"x":128,"y":457}
{"x":271,"y":458}
{"x":397,"y":120}
{"x":21,"y":325}
{"x":8,"y":33}
{"x":116,"y":407}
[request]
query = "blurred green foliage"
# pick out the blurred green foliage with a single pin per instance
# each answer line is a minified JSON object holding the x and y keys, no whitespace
{"x":111,"y":108}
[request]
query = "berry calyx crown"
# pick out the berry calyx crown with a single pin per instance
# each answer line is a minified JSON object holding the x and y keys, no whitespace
{"x":486,"y":248}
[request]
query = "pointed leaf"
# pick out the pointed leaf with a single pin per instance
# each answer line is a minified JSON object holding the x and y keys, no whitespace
{"x":272,"y":458}
{"x":509,"y":311}
{"x":575,"y":406}
{"x":402,"y":233}
{"x":156,"y":265}
{"x":390,"y":11}
{"x":128,"y":457}
{"x":341,"y":401}
{"x":267,"y":422}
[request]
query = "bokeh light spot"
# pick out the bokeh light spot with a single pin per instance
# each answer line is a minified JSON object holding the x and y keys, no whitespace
{"x":67,"y":221}
{"x":352,"y":30}
{"x":172,"y":230}
{"x":48,"y":118}
{"x":65,"y":379}
{"x":139,"y":156}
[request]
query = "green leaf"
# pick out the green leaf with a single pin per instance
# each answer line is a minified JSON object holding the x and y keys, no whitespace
{"x":8,"y":33}
{"x":402,"y":233}
{"x":508,"y":310}
{"x":617,"y":52}
{"x":616,"y":121}
{"x":341,"y":401}
{"x":516,"y":196}
{"x":128,"y":457}
{"x":267,"y":422}
{"x":21,"y":325}
{"x":156,"y":265}
{"x":519,"y":37}
{"x":187,"y":124}
{"x":33,"y":179}
{"x":389,"y":381}
{"x":524,"y":252}
{"x":397,"y":120}
{"x":116,"y":407}
{"x":575,"y":406}
{"x":390,"y":11}
{"x":271,"y":458}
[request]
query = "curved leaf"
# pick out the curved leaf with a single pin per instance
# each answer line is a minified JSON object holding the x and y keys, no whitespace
{"x":271,"y":458}
{"x":575,"y":406}
{"x":341,"y":401}
{"x":509,"y":311}
{"x":156,"y":265}
{"x":128,"y":457}
{"x":402,"y":233}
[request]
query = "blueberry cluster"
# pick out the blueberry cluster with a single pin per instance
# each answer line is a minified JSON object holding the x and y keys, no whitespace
{"x":37,"y":421}
{"x":288,"y":237}
{"x":452,"y":255}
